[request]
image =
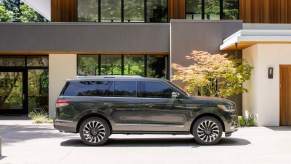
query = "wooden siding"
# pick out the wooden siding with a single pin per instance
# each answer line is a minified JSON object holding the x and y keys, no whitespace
{"x":176,"y":9}
{"x":265,"y":11}
{"x":64,"y":10}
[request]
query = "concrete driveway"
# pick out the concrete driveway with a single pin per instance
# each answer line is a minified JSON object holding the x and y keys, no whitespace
{"x":25,"y":143}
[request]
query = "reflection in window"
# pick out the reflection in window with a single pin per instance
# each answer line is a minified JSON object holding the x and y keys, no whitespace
{"x":133,"y":10}
{"x":155,"y":90}
{"x":212,"y":9}
{"x":110,"y":11}
{"x":38,"y":84}
{"x":7,"y":61}
{"x":194,"y":9}
{"x":38,"y":61}
{"x":111,"y":65}
{"x":157,"y":11}
{"x":134,"y":65}
{"x":125,"y":88}
{"x":230,"y":9}
{"x":88,"y":65}
{"x":88,"y":10}
{"x":157,"y":66}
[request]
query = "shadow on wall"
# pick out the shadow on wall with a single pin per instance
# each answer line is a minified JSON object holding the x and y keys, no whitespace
{"x":156,"y":142}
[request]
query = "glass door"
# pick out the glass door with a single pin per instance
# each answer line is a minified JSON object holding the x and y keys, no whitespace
{"x":12,"y":97}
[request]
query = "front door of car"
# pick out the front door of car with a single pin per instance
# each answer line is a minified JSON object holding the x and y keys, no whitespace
{"x":158,"y":111}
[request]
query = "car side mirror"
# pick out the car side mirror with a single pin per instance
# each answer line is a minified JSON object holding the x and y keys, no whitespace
{"x":175,"y":95}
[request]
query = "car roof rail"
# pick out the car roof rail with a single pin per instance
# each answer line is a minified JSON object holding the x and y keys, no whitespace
{"x":108,"y":76}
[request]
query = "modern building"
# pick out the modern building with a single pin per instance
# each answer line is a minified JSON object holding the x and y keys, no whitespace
{"x":144,"y":37}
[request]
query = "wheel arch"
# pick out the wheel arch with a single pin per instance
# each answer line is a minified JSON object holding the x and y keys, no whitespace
{"x":83,"y":118}
{"x":207,"y":115}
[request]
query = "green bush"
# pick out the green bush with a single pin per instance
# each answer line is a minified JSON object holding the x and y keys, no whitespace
{"x":39,"y":116}
{"x":247,"y":121}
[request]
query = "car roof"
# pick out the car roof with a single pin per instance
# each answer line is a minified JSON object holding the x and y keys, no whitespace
{"x":115,"y":78}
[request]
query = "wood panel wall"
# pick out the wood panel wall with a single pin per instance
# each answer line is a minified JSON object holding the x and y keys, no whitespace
{"x":176,"y":9}
{"x":64,"y":10}
{"x":265,"y":11}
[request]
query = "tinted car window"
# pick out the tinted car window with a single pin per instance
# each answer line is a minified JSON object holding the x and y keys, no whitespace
{"x":154,"y":89}
{"x":125,"y":88}
{"x":89,"y":88}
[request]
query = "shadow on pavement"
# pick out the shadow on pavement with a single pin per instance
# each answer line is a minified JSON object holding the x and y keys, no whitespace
{"x":156,"y":142}
{"x":281,"y":128}
{"x":2,"y":157}
{"x":14,"y":134}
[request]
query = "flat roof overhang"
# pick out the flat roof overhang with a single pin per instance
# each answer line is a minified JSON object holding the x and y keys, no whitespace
{"x":246,"y":38}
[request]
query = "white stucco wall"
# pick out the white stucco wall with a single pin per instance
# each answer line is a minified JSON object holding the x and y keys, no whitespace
{"x":263,"y":98}
{"x":61,"y":67}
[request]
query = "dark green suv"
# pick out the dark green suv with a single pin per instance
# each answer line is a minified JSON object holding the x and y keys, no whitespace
{"x":97,"y":107}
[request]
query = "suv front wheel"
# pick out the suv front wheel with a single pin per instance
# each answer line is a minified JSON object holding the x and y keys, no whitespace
{"x":207,"y":131}
{"x":94,"y":131}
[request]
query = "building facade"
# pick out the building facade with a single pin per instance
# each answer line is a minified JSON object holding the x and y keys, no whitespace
{"x":144,"y":37}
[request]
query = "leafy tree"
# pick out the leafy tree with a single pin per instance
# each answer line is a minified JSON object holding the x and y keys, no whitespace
{"x":213,"y":74}
{"x":16,"y":11}
{"x":14,"y":7}
{"x":5,"y":15}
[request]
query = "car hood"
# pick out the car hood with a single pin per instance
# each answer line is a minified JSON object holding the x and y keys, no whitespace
{"x":210,"y":101}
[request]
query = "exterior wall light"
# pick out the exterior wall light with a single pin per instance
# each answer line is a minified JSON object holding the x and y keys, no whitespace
{"x":270,"y":73}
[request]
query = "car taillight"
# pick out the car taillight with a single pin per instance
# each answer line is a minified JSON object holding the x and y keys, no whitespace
{"x":62,"y":103}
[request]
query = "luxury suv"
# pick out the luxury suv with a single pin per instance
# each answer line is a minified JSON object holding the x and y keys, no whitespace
{"x":99,"y":106}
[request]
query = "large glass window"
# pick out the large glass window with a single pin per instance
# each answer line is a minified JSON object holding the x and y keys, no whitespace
{"x":125,"y":88}
{"x":88,"y":88}
{"x":134,"y":11}
{"x":110,"y":11}
{"x":111,"y":65}
{"x":143,"y":65}
{"x":154,"y":90}
{"x":134,"y":65}
{"x":123,"y":10}
{"x":157,"y":66}
{"x":194,"y":9}
{"x":212,"y":9}
{"x":88,"y":10}
{"x":88,"y":65}
{"x":230,"y":9}
{"x":157,"y":11}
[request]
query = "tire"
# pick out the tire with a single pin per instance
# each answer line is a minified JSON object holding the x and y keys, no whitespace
{"x":207,"y":131}
{"x":94,"y":131}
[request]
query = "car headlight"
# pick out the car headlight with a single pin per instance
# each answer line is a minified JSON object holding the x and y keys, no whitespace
{"x":227,"y":108}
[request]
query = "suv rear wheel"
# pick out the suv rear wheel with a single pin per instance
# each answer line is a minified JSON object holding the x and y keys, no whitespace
{"x":207,"y":130}
{"x":94,"y":131}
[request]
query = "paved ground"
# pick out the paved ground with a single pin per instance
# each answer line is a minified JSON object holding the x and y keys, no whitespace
{"x":24,"y":143}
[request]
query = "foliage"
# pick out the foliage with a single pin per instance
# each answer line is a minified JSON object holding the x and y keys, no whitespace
{"x":39,"y":116}
{"x":17,"y":11}
{"x":213,"y":74}
{"x":247,"y":121}
{"x":5,"y":15}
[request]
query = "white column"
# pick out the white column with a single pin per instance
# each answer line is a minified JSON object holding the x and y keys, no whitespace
{"x":61,"y":68}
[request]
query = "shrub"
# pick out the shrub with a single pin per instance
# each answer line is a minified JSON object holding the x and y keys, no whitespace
{"x":39,"y":116}
{"x":247,"y":121}
{"x":213,"y":74}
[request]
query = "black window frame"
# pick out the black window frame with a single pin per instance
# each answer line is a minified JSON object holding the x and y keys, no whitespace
{"x":146,"y":56}
{"x":122,"y":13}
{"x":139,"y":87}
{"x":221,"y":10}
